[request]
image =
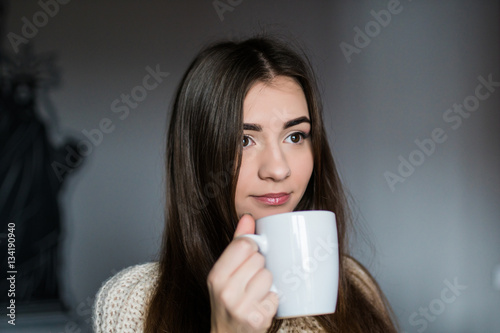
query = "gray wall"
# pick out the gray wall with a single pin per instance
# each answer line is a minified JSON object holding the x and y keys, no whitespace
{"x":440,"y":224}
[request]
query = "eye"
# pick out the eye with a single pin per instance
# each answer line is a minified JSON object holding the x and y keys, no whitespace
{"x":247,"y":141}
{"x":296,"y":137}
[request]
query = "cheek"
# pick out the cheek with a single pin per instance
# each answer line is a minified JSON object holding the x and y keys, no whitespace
{"x":303,"y":170}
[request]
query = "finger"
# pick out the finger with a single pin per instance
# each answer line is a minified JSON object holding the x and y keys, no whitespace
{"x":270,"y":303}
{"x":246,"y":225}
{"x":263,"y":311}
{"x":240,"y":278}
{"x":236,"y":253}
{"x":259,"y":285}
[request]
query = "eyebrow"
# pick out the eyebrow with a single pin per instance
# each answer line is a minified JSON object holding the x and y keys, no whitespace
{"x":288,"y":124}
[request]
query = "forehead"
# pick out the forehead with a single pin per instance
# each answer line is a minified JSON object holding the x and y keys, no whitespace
{"x":283,"y":98}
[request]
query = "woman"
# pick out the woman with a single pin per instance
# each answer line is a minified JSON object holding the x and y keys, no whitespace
{"x":246,"y":140}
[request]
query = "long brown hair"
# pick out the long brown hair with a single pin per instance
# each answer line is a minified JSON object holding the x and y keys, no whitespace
{"x":203,"y":160}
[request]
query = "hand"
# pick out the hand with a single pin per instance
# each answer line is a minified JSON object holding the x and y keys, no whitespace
{"x":239,"y":286}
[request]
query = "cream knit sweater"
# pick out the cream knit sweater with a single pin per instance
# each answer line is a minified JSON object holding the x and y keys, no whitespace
{"x":120,"y":304}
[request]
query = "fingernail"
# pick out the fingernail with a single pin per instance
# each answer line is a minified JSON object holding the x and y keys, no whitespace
{"x":246,"y":214}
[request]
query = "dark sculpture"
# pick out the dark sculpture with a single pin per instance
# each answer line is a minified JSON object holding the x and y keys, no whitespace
{"x":29,"y":184}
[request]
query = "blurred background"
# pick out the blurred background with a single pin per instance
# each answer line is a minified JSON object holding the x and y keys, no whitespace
{"x":411,"y":93}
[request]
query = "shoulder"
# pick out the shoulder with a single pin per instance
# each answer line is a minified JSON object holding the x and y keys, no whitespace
{"x":366,"y":284}
{"x":121,"y":302}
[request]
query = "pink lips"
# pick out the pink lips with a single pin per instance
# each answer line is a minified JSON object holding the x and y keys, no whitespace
{"x":273,"y":199}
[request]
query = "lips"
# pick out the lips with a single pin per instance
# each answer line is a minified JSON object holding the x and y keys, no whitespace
{"x":273,"y":199}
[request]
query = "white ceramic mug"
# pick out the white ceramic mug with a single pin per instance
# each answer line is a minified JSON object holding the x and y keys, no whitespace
{"x":301,"y":251}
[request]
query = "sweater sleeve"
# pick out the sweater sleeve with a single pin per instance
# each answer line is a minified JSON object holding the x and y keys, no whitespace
{"x":121,"y":302}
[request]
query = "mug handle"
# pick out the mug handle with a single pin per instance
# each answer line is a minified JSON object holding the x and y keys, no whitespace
{"x":261,"y":242}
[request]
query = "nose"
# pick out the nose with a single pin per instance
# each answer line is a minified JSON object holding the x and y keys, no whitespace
{"x":273,"y":164}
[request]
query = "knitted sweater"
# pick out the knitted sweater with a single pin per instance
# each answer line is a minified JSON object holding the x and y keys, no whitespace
{"x":121,"y":303}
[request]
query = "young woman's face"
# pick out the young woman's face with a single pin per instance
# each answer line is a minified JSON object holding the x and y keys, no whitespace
{"x":277,"y":160}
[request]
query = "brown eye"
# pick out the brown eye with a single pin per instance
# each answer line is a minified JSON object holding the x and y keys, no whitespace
{"x":246,"y":141}
{"x":295,"y":137}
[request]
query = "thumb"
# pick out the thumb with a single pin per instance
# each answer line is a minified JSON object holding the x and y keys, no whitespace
{"x":246,"y":225}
